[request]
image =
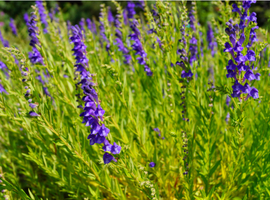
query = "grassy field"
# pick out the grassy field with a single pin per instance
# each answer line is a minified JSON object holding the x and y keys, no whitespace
{"x":171,"y":109}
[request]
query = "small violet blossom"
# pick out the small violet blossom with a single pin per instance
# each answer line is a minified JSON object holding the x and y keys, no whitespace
{"x":152,"y":164}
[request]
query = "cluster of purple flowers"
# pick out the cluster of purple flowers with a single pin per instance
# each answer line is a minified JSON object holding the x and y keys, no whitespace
{"x":44,"y":80}
{"x":184,"y":59}
{"x":193,"y":42}
{"x":138,"y":48}
{"x":34,"y":56}
{"x":93,"y":112}
{"x":130,"y":10}
{"x":43,"y":15}
{"x":13,"y":27}
{"x":91,"y":26}
{"x":140,"y":4}
{"x":119,"y":41}
{"x":193,"y":50}
{"x":211,"y":39}
{"x":239,"y":62}
{"x":28,"y":95}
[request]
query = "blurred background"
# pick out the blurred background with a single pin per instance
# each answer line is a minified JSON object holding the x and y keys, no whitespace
{"x":75,"y":10}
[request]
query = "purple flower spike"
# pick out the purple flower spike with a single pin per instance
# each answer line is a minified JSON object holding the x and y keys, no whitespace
{"x":138,"y":48}
{"x":130,"y":10}
{"x":35,"y":56}
{"x":152,"y":164}
{"x":107,"y":158}
{"x":211,"y":40}
{"x":243,"y":63}
{"x":92,"y":111}
{"x":43,"y":15}
{"x":110,"y":15}
{"x":13,"y":26}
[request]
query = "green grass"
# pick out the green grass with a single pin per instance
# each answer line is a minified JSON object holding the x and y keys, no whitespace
{"x":49,"y":157}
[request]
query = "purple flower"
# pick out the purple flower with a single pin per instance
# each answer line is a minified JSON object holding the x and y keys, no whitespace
{"x":4,"y":42}
{"x":192,"y":20}
{"x":13,"y":27}
{"x":33,"y":105}
{"x":130,"y":10}
{"x":228,"y":99}
{"x":2,"y":89}
{"x":211,"y":40}
{"x":251,"y":55}
{"x":33,"y":114}
{"x":138,"y":48}
{"x":157,"y":130}
{"x":193,"y":50}
{"x":35,"y":56}
{"x":152,"y":164}
{"x":227,"y":117}
{"x":110,"y":15}
{"x":26,"y":18}
{"x":188,"y":74}
{"x":253,"y":17}
{"x":140,"y":4}
{"x":107,"y":158}
{"x":115,"y":149}
{"x":253,"y":93}
{"x":43,"y":15}
{"x":236,"y":9}
{"x":91,"y":26}
{"x":107,"y":146}
{"x":237,"y":32}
